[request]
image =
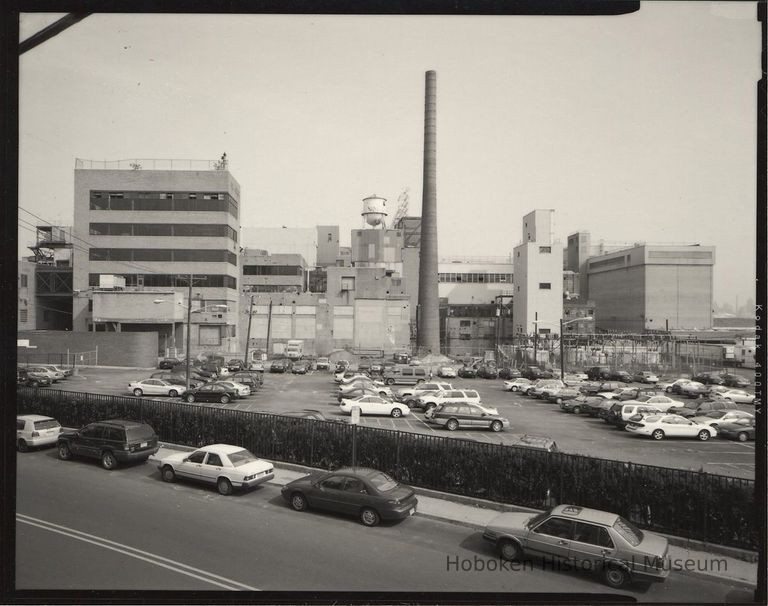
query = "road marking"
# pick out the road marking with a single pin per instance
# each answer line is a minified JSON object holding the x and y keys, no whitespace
{"x":157,"y":560}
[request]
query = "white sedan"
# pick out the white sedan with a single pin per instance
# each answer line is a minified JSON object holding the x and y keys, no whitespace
{"x":353,"y":378}
{"x":446,"y":372}
{"x":517,"y":385}
{"x":376,"y":386}
{"x":663,"y":403}
{"x":739,"y":396}
{"x":223,"y":465}
{"x":718,"y":417}
{"x":36,"y":430}
{"x":662,"y":426}
{"x":375,"y":405}
{"x":241,"y":389}
{"x":155,"y":387}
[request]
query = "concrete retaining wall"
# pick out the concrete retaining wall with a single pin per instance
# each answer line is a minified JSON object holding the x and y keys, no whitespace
{"x":135,"y":349}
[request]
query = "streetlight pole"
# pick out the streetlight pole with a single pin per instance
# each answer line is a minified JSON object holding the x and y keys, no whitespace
{"x":536,"y":339}
{"x":189,"y":325}
{"x":248,"y":335}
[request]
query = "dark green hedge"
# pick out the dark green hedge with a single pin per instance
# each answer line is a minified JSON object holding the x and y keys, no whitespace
{"x":695,"y":505}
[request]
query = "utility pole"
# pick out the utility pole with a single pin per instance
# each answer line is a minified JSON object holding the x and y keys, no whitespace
{"x":189,"y":324}
{"x":536,"y":339}
{"x":248,"y":335}
{"x":562,"y":350}
{"x":269,"y":324}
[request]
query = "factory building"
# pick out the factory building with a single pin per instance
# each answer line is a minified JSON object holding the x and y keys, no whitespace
{"x":265,"y":272}
{"x":284,"y":240}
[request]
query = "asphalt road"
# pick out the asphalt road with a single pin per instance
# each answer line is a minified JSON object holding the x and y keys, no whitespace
{"x":578,"y":434}
{"x":81,"y":527}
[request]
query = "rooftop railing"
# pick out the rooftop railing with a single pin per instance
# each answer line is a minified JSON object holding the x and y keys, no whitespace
{"x":151,"y":164}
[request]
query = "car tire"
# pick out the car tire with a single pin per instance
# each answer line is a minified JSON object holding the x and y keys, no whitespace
{"x":615,"y":576}
{"x":384,"y":394}
{"x":65,"y":454}
{"x":108,"y":460}
{"x":509,"y":550}
{"x":743,"y":436}
{"x":497,"y":426}
{"x":514,"y":388}
{"x":657,"y":434}
{"x":558,"y":401}
{"x":138,"y":392}
{"x":189,"y":398}
{"x":168,"y":474}
{"x":390,"y":381}
{"x":703,"y":435}
{"x":668,"y":390}
{"x":576,"y":410}
{"x":411,"y":403}
{"x":299,"y":501}
{"x":22,"y":446}
{"x":224,"y":399}
{"x":369,"y":517}
{"x":224,"y":486}
{"x":452,"y":425}
{"x":396,"y":413}
{"x":173,"y":393}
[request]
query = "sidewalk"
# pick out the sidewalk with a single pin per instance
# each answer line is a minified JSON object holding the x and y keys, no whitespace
{"x":472,"y":514}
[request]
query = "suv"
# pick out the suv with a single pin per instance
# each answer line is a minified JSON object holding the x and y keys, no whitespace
{"x":251,"y":379}
{"x":708,"y":378}
{"x":695,"y":408}
{"x":488,"y":372}
{"x":30,"y":378}
{"x":534,"y":373}
{"x":406,"y":375}
{"x":595,"y":540}
{"x":323,"y":364}
{"x":454,"y":396}
{"x":465,"y":414}
{"x":113,"y":442}
{"x":412,"y":394}
{"x":598,"y":373}
{"x":620,"y":412}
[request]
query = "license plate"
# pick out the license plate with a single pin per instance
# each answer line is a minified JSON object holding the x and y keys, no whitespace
{"x":412,"y":511}
{"x":143,"y":445}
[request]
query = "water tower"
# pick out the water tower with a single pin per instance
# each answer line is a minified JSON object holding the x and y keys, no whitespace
{"x":375,"y":211}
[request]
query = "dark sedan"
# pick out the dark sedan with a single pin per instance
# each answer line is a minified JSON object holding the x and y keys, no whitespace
{"x":195,"y":371}
{"x":738,"y":429}
{"x":280,"y":366}
{"x":487,"y":372}
{"x":168,"y":363}
{"x":211,"y":392}
{"x":509,"y":373}
{"x":251,"y":379}
{"x":467,"y":372}
{"x":620,"y":375}
{"x":300,"y":368}
{"x":367,"y":494}
{"x":178,"y":378}
{"x":730,"y":380}
{"x":534,"y":373}
{"x":234,"y":365}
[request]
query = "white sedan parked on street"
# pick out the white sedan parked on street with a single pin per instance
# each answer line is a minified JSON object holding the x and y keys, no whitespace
{"x":659,"y":427}
{"x":36,"y":430}
{"x":223,"y":465}
{"x":375,"y":405}
{"x":739,"y":396}
{"x":155,"y":387}
{"x":517,"y":385}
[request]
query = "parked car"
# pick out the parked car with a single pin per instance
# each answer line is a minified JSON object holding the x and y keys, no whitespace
{"x":590,"y":539}
{"x":663,"y":403}
{"x":561,"y":395}
{"x":738,"y":429}
{"x":195,"y":371}
{"x":33,"y":431}
{"x":465,"y":415}
{"x":620,"y":375}
{"x":323,"y":364}
{"x":580,"y":404}
{"x":413,"y":393}
{"x":252,"y":379}
{"x":31,"y":378}
{"x":663,"y":426}
{"x":342,"y":365}
{"x":548,"y":390}
{"x":356,"y":390}
{"x":308,"y":413}
{"x":234,"y":365}
{"x":256,"y":366}
{"x":594,"y":388}
{"x":155,"y":387}
{"x":431,"y":399}
{"x":168,"y":363}
{"x":708,"y":378}
{"x":241,"y":389}
{"x":645,"y":376}
{"x":487,"y":372}
{"x":225,"y":466}
{"x":598,"y":373}
{"x":467,"y":372}
{"x":517,"y":384}
{"x":594,"y":406}
{"x":406,"y":375}
{"x":43,"y":371}
{"x":620,"y":413}
{"x":375,"y":386}
{"x":628,"y":393}
{"x":508,"y":373}
{"x":211,"y":392}
{"x":715,"y":417}
{"x":697,"y":408}
{"x":368,"y":494}
{"x":353,"y":377}
{"x":740,"y":396}
{"x":375,"y":405}
{"x":737,"y":381}
{"x":446,"y":372}
{"x":114,"y":442}
{"x":377,"y":368}
{"x":300,"y":368}
{"x":535,"y":389}
{"x":694,"y":389}
{"x":58,"y":373}
{"x":401,"y":357}
{"x":170,"y":376}
{"x":281,"y":366}
{"x":534,"y":373}
{"x":675,"y":386}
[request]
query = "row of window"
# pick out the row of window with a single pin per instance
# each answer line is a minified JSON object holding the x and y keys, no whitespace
{"x":474,"y":277}
{"x":162,"y":229}
{"x":162,"y":254}
{"x":155,"y":195}
{"x":292,"y":288}
{"x":272,"y":270}
{"x":172,"y":280}
{"x":221,"y":203}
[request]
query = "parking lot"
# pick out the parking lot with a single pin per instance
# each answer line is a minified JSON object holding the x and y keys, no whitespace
{"x":578,"y":434}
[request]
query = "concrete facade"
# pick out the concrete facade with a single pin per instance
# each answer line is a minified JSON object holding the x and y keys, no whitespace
{"x":327,"y":245}
{"x":265,"y":272}
{"x":156,"y":228}
{"x":473,"y":280}
{"x":377,"y":248}
{"x":653,"y":287}
{"x":27,"y":308}
{"x":137,"y":349}
{"x":538,"y":277}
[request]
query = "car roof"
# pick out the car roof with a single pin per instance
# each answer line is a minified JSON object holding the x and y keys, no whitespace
{"x":121,"y":422}
{"x":585,"y":514}
{"x":35,"y":418}
{"x":221,"y":448}
{"x":365,"y":472}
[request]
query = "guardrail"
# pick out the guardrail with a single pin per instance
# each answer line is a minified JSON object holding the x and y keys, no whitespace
{"x":695,"y":505}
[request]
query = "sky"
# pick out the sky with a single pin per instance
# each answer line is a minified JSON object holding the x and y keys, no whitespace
{"x":636,"y":128}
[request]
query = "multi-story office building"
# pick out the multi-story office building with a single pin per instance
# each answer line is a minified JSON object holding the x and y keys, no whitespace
{"x":653,"y":287}
{"x":265,"y":272}
{"x":538,"y":271}
{"x":26,"y":307}
{"x":150,"y":231}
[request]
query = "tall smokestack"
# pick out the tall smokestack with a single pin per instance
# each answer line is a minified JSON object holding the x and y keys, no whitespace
{"x":428,"y":311}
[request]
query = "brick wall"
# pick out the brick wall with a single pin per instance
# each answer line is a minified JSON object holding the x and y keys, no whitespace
{"x":137,"y":349}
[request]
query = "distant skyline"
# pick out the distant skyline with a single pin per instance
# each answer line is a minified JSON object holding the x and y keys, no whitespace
{"x":638,"y":127}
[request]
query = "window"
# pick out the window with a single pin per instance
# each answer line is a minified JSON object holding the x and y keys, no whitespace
{"x":120,"y":203}
{"x":355,"y":485}
{"x":545,"y":249}
{"x":92,"y":431}
{"x":23,"y":316}
{"x":545,"y":285}
{"x":556,"y":527}
{"x":348,"y":283}
{"x":20,"y":423}
{"x":334,"y":483}
{"x":465,"y":336}
{"x":465,"y":323}
{"x":90,"y":304}
{"x":115,"y":434}
{"x":152,"y":229}
{"x":213,"y":459}
{"x":209,"y":335}
{"x":23,"y":280}
{"x":592,"y":534}
{"x":196,"y":457}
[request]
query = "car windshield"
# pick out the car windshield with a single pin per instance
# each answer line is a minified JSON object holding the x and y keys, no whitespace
{"x":241,"y":457}
{"x":628,"y":531}
{"x":47,"y":424}
{"x":382,"y":482}
{"x":139,"y":432}
{"x":537,"y":518}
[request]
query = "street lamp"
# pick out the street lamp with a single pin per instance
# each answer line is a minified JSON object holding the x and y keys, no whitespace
{"x":562,"y":354}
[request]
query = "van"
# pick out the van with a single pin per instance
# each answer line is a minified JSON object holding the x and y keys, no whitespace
{"x":405,"y":375}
